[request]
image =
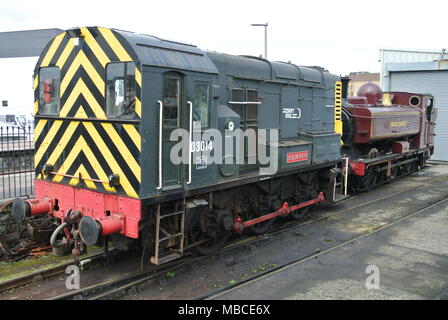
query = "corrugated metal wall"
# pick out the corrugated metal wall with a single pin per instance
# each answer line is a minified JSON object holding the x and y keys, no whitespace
{"x":397,"y":55}
{"x":435,"y":83}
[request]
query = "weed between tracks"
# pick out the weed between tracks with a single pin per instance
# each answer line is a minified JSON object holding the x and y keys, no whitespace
{"x":243,"y":275}
{"x":9,"y":270}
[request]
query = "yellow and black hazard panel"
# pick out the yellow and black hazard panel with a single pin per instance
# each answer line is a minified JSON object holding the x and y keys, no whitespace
{"x":338,"y":108}
{"x":88,"y":109}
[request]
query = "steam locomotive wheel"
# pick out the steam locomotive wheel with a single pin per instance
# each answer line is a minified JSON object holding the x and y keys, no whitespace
{"x":394,"y":172}
{"x":371,"y":178}
{"x":407,"y":169}
{"x":413,"y":166}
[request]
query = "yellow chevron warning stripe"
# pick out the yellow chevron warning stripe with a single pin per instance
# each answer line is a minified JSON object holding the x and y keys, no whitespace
{"x":47,"y":140}
{"x":81,"y":88}
{"x":111,"y":161}
{"x":81,"y":60}
{"x":36,"y":82}
{"x":38,"y":128}
{"x":96,"y":49}
{"x":51,"y":51}
{"x":81,"y":145}
{"x":138,"y":76}
{"x":138,"y":107}
{"x":124,"y":151}
{"x":56,"y":153}
{"x":65,"y":53}
{"x":115,"y":44}
{"x":134,"y":134}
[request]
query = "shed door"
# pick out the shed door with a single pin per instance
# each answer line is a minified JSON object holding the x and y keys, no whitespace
{"x":435,"y":83}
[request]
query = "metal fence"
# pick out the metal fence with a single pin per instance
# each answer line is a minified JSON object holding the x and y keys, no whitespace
{"x":16,"y":161}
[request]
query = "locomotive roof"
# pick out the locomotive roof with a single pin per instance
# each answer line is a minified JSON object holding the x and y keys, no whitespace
{"x":249,"y":67}
{"x":154,"y":51}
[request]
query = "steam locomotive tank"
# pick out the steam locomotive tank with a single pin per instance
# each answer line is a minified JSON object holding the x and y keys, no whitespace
{"x":371,"y":123}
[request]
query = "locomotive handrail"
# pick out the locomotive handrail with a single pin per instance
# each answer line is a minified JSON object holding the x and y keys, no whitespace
{"x":190,"y":141}
{"x":244,"y":102}
{"x":45,"y":117}
{"x":160,"y":141}
{"x":77,"y":177}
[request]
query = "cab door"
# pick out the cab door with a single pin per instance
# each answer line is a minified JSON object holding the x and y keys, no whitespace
{"x":173,"y":106}
{"x":200,"y":170}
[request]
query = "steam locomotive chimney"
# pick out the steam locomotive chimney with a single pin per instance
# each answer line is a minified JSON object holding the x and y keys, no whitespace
{"x":345,"y":81}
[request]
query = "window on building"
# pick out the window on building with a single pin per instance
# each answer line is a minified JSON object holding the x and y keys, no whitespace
{"x":201,"y":103}
{"x":120,"y":90}
{"x":49,"y":83}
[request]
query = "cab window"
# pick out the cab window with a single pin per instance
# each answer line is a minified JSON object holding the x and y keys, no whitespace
{"x":171,"y":101}
{"x":120,"y":90}
{"x":200,"y":104}
{"x":49,"y":82}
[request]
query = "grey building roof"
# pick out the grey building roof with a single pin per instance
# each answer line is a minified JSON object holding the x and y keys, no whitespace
{"x":27,"y":43}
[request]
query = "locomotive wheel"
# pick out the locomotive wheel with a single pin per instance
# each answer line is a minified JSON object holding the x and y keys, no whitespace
{"x":298,"y":215}
{"x":413,"y":167}
{"x":371,"y":178}
{"x":406,"y":170}
{"x":207,"y":244}
{"x":394,"y":172}
{"x":261,"y":227}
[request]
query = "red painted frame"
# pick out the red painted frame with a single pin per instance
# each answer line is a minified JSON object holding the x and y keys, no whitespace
{"x":91,"y":203}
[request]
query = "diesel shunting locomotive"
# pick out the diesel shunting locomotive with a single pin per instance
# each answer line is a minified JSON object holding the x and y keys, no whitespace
{"x":148,"y":142}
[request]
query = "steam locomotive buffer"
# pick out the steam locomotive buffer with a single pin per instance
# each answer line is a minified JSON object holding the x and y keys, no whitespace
{"x":108,"y":102}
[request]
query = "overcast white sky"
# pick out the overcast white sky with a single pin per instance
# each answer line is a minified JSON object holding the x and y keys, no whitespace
{"x":341,"y":36}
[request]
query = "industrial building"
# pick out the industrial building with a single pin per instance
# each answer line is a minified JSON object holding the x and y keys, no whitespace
{"x":358,"y":79}
{"x":420,"y":71}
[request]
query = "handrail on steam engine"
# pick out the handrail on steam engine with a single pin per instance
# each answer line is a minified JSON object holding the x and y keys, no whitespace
{"x":160,"y":141}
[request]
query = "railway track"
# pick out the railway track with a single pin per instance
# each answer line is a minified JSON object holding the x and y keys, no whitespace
{"x":113,"y":288}
{"x":44,"y":274}
{"x":312,"y":255}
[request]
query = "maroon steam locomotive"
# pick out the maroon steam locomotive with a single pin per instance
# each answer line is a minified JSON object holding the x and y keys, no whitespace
{"x":386,"y":135}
